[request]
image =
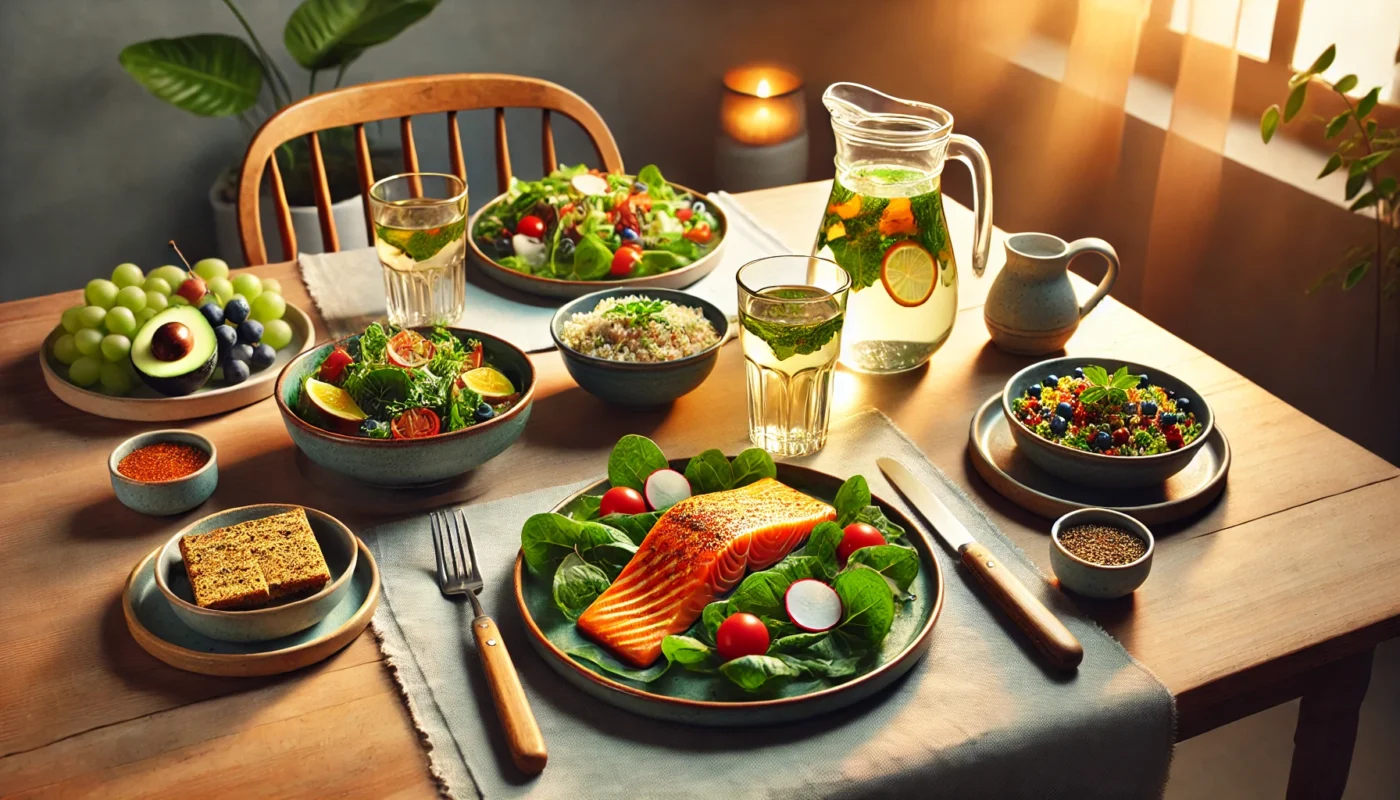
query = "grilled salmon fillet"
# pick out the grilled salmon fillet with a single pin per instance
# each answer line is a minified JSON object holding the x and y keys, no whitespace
{"x":698,"y":550}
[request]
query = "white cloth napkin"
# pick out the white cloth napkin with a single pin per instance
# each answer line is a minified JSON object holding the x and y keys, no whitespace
{"x":348,"y":287}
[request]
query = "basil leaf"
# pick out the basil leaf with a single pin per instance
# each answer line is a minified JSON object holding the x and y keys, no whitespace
{"x":761,"y":593}
{"x":709,"y":472}
{"x":548,"y":539}
{"x":822,"y":544}
{"x":601,"y":658}
{"x":752,"y":673}
{"x":632,"y":461}
{"x":592,"y":258}
{"x":899,"y":564}
{"x":1096,"y":375}
{"x":635,"y":526}
{"x":689,"y":652}
{"x":851,"y":498}
{"x":751,"y":465}
{"x":869,"y":607}
{"x":797,"y":642}
{"x":875,"y":517}
{"x":577,"y":584}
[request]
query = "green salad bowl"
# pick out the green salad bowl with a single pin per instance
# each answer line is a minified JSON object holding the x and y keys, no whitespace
{"x":398,"y":463}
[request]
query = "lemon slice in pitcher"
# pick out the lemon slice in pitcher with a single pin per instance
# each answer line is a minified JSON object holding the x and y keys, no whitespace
{"x":909,"y":273}
{"x":333,"y":400}
{"x":488,"y":382}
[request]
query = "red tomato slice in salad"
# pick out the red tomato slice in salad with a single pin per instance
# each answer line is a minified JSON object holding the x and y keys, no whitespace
{"x":408,"y":349}
{"x":699,"y":234}
{"x":474,"y":359}
{"x":334,"y":365}
{"x":624,"y":261}
{"x":415,"y":423}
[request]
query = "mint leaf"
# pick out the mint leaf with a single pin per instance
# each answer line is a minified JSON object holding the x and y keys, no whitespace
{"x":787,"y":341}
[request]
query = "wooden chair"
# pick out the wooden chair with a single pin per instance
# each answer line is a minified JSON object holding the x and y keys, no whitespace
{"x":402,"y":98}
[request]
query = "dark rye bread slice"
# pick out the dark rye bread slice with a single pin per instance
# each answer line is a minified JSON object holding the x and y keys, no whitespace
{"x":281,"y":548}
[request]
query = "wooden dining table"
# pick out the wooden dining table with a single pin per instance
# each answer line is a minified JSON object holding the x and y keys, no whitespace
{"x":1280,"y":589}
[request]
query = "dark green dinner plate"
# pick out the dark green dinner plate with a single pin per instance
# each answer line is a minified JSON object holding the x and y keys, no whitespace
{"x":701,"y":699}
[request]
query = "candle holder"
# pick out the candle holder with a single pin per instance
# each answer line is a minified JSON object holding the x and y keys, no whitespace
{"x":763,"y":128}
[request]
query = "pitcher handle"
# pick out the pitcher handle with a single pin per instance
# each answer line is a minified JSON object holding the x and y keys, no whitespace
{"x":1093,"y":245}
{"x":967,"y":150}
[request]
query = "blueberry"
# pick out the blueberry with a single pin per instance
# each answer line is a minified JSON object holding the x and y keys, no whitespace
{"x":1058,"y":425}
{"x":1078,"y":372}
{"x":235,"y":372}
{"x":236,"y":310}
{"x":1166,"y":420}
{"x":240,"y":352}
{"x":212,"y":313}
{"x":1143,"y":382}
{"x":484,"y":412}
{"x":250,"y":331}
{"x":638,"y":187}
{"x":1183,"y":405}
{"x":629,"y":235}
{"x":1102,"y":440}
{"x":1131,"y":409}
{"x":1033,"y":390}
{"x":1051,"y":380}
{"x":263,"y":356}
{"x":566,"y":246}
{"x":226,"y":337}
{"x":504,"y":247}
{"x":1149,"y":409}
{"x":1171,"y":394}
{"x":1064,"y":410}
{"x":375,"y":429}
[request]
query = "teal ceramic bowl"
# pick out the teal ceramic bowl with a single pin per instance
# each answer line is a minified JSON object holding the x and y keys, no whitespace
{"x":638,"y":384}
{"x":338,"y":545}
{"x":164,"y":498}
{"x":409,"y":462}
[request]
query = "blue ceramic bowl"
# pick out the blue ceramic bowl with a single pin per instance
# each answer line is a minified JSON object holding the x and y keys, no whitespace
{"x":338,"y":545}
{"x":637,"y":384}
{"x":1097,"y":580}
{"x":1096,"y":469}
{"x":164,"y":498}
{"x":409,"y":462}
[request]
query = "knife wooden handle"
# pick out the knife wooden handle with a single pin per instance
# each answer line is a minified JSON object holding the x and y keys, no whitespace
{"x":1050,"y":635}
{"x":522,"y":732}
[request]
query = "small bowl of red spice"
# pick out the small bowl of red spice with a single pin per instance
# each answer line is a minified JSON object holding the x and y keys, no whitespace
{"x":164,"y":472}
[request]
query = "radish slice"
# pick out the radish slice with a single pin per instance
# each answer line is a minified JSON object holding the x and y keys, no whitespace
{"x":812,"y":605}
{"x":665,"y":488}
{"x":589,"y":184}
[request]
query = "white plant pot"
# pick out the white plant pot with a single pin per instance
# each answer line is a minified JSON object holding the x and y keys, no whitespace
{"x":349,"y":218}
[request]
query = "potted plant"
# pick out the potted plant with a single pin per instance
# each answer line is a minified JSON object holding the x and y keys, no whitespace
{"x":218,"y":75}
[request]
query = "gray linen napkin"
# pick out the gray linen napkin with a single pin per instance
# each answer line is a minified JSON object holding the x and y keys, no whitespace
{"x":348,"y":287}
{"x":978,"y":717}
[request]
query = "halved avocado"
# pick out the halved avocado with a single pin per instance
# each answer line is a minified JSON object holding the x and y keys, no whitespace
{"x":174,"y":352}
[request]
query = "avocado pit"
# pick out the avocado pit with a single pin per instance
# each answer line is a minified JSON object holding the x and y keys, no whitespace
{"x":172,"y":341}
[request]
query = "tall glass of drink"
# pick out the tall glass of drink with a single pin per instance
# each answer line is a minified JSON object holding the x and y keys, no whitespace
{"x":791,"y":309}
{"x":420,"y":234}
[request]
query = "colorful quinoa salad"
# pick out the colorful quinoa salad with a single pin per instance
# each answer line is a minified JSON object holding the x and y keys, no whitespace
{"x":640,"y":329}
{"x":1116,"y":415}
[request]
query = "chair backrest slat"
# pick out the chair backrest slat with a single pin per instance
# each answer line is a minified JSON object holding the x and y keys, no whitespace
{"x":401,"y":98}
{"x":364,"y":168}
{"x":547,"y":143}
{"x":410,"y":156}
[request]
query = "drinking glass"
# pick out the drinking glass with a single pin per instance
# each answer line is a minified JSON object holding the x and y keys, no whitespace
{"x":791,"y":309}
{"x":420,"y":234}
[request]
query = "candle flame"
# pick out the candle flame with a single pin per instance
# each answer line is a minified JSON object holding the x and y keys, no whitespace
{"x":763,"y":90}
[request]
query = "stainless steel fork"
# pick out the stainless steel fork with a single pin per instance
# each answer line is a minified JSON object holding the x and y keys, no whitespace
{"x":458,"y":573}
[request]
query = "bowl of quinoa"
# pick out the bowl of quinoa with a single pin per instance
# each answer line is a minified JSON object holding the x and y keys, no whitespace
{"x":639,"y":348}
{"x":1105,"y":422}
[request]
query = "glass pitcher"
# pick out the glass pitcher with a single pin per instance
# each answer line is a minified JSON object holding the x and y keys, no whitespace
{"x":884,"y":225}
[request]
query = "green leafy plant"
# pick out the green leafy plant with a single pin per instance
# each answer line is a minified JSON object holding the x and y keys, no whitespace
{"x":1364,"y":152}
{"x":218,"y":75}
{"x":1101,"y":385}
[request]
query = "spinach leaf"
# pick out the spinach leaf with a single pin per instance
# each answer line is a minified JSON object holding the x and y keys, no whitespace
{"x":577,"y":584}
{"x":636,"y":526}
{"x":869,"y":607}
{"x":633,"y":459}
{"x":899,"y":564}
{"x":682,"y":247}
{"x":712,"y":616}
{"x":601,"y":658}
{"x":655,"y":262}
{"x":761,"y":593}
{"x":818,"y":667}
{"x":751,"y":465}
{"x":657,"y":187}
{"x":797,"y":642}
{"x":585,"y":507}
{"x":853,"y":496}
{"x":548,"y":539}
{"x":752,"y":673}
{"x":689,"y":652}
{"x":875,"y":517}
{"x":516,"y":263}
{"x":822,"y":544}
{"x":592,"y":258}
{"x":709,"y":472}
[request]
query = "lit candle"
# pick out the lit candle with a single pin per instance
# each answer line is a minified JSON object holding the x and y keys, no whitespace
{"x":762,"y":105}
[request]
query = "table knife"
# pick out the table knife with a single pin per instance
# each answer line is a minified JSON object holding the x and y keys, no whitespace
{"x":1049,"y":635}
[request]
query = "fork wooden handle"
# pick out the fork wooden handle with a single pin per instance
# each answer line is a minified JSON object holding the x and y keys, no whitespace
{"x":522,"y":732}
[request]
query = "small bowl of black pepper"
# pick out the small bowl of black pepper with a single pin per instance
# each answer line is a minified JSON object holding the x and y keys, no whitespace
{"x":1100,"y":553}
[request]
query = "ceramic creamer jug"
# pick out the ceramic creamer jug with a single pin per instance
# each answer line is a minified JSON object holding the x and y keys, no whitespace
{"x":1031,"y":308}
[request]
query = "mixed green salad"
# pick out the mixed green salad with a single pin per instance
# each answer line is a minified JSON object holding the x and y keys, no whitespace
{"x":863,"y":556}
{"x":581,"y":224}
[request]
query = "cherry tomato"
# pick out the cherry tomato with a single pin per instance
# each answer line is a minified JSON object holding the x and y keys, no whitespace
{"x":857,"y":535}
{"x":684,"y":214}
{"x":415,"y":423}
{"x":530,"y":225}
{"x":741,"y":635}
{"x":624,"y":261}
{"x":566,"y":208}
{"x":334,"y":365}
{"x":622,"y":500}
{"x":475,"y":358}
{"x":410,"y":350}
{"x":699,"y":234}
